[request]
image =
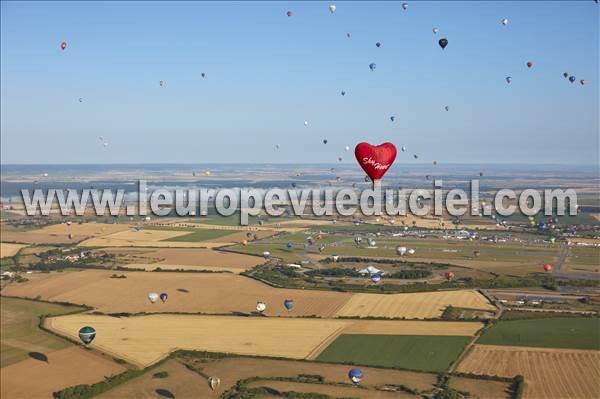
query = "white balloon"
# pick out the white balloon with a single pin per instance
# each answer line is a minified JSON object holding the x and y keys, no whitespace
{"x":332,"y":8}
{"x":153,"y":296}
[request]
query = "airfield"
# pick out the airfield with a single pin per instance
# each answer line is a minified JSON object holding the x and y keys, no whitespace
{"x":405,"y":331}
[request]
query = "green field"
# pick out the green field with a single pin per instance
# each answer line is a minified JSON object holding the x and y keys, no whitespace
{"x":415,"y":352}
{"x":20,"y":331}
{"x":559,"y":332}
{"x":201,"y":235}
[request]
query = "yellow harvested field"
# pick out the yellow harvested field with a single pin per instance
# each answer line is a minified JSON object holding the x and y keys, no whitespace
{"x":59,"y":233}
{"x":131,"y":238}
{"x":420,"y":305}
{"x":66,"y":367}
{"x":7,"y":249}
{"x":188,"y":259}
{"x":549,"y":373}
{"x":202,"y":293}
{"x":144,"y":340}
{"x":410,"y":327}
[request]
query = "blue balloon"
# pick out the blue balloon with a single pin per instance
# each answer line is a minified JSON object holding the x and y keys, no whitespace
{"x":164,"y":296}
{"x":542,"y":226}
{"x":372,"y":66}
{"x":355,"y":375}
{"x":572,"y":78}
{"x":392,"y":118}
{"x":376,"y":278}
{"x":289,"y":304}
{"x":290,"y":245}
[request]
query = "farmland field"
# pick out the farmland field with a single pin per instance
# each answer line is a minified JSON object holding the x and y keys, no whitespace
{"x":59,"y":233}
{"x":7,"y":249}
{"x":571,"y":332}
{"x":188,"y":292}
{"x":549,"y":373}
{"x":200,"y":235}
{"x":20,"y":332}
{"x":136,"y":339}
{"x":36,"y":379}
{"x":184,"y":258}
{"x":425,"y":353}
{"x":421,"y":305}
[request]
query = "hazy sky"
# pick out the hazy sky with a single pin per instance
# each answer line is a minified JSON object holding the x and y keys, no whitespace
{"x":267,"y":73}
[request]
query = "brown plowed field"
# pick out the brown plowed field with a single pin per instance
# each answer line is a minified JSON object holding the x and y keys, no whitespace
{"x":34,"y":379}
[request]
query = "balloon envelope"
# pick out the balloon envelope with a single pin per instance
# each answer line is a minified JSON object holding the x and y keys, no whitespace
{"x":87,"y":334}
{"x":401,"y":251}
{"x":355,"y":375}
{"x":63,"y":45}
{"x":261,"y":306}
{"x":449,"y":275}
{"x":332,"y":8}
{"x":214,"y":382}
{"x":289,"y":13}
{"x":372,"y":66}
{"x":152,"y":296}
{"x":376,"y":277}
{"x":443,"y":43}
{"x":572,"y":78}
{"x":164,"y":296}
{"x":288,"y":304}
{"x":547,"y":267}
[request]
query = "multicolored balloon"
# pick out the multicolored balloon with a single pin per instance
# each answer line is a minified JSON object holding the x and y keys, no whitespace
{"x":288,"y":304}
{"x":214,"y":382}
{"x":376,"y":277}
{"x":87,"y":334}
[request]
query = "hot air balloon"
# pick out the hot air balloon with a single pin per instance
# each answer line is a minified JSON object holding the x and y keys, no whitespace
{"x":401,"y":251}
{"x":305,"y":123}
{"x":63,"y":46}
{"x":372,"y":66}
{"x":152,"y":296}
{"x":411,"y":251}
{"x":404,"y":6}
{"x":277,"y":146}
{"x":566,"y":74}
{"x":347,"y":148}
{"x":245,"y":242}
{"x":508,"y":79}
{"x":542,"y":226}
{"x":87,"y":334}
{"x":357,"y":240}
{"x":447,"y":108}
{"x":449,"y":275}
{"x":161,"y":83}
{"x":583,"y":82}
{"x":378,"y":44}
{"x":80,"y":99}
{"x":572,"y":79}
{"x":355,"y":374}
{"x":203,"y":74}
{"x":415,"y":156}
{"x":289,"y":13}
{"x":266,"y":254}
{"x":435,"y":31}
{"x":547,"y":267}
{"x":288,"y":303}
{"x":435,"y":162}
{"x":371,"y":242}
{"x":349,"y":35}
{"x":324,"y":141}
{"x":164,"y":296}
{"x":343,"y":93}
{"x":289,"y":245}
{"x":504,"y":21}
{"x":476,"y":253}
{"x":529,"y":64}
{"x":443,"y":43}
{"x":214,"y":382}
{"x":332,"y":8}
{"x":375,"y":277}
{"x":261,"y":306}
{"x":392,"y":118}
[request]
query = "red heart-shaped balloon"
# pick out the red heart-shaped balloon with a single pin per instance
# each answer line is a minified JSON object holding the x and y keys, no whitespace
{"x":375,"y":160}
